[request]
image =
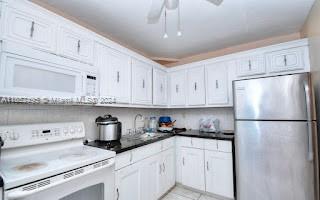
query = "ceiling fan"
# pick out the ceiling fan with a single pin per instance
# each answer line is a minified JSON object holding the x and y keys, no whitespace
{"x":158,"y":6}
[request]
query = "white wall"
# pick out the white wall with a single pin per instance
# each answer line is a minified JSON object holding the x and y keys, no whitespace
{"x":188,"y":118}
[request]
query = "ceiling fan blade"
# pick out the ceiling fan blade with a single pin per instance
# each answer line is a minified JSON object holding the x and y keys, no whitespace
{"x":216,"y":2}
{"x":155,"y":11}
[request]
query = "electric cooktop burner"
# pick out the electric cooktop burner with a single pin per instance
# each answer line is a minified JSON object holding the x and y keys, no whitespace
{"x":30,"y":166}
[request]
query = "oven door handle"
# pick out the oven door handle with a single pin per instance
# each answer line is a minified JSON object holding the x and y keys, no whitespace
{"x":19,"y":194}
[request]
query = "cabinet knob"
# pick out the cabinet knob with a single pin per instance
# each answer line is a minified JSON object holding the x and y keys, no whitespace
{"x":118,"y":194}
{"x":79,"y":45}
{"x":32,"y":29}
{"x":285,"y":60}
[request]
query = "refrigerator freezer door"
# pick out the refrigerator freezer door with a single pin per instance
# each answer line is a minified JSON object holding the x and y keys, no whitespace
{"x":274,"y":98}
{"x":272,"y":161}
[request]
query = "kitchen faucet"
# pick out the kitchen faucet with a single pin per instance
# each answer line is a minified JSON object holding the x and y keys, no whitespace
{"x":135,"y":122}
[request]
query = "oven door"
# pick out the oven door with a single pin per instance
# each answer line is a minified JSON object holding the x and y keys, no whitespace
{"x":27,"y":77}
{"x":98,"y":185}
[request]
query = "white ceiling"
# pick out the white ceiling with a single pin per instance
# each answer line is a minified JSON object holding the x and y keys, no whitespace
{"x":205,"y":26}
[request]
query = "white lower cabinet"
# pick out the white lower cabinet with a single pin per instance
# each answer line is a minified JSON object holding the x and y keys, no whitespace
{"x":205,"y":164}
{"x":167,"y":174}
{"x":148,"y":178}
{"x":219,"y":173}
{"x":128,"y":183}
{"x":192,"y":168}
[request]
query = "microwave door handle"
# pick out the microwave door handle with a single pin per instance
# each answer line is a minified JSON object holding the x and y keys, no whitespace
{"x":23,"y":194}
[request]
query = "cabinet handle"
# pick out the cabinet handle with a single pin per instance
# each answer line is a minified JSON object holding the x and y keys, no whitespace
{"x":160,"y":167}
{"x":183,"y":161}
{"x":143,"y":83}
{"x":118,"y":76}
{"x":177,"y":88}
{"x":285,"y":60}
{"x":191,"y":142}
{"x":118,"y":194}
{"x":32,"y":29}
{"x":207,"y":166}
{"x":131,"y":157}
{"x":79,"y":45}
{"x":164,"y":167}
{"x":195,"y":86}
{"x":250,"y":65}
{"x":217,"y":84}
{"x":161,"y":88}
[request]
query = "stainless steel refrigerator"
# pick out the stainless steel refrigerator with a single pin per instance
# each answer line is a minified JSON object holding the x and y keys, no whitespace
{"x":276,"y":139}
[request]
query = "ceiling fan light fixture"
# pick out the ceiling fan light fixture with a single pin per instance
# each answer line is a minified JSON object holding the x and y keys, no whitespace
{"x":179,"y":33}
{"x":165,"y":36}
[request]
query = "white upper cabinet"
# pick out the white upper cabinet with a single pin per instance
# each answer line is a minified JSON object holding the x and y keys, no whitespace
{"x":30,"y":27}
{"x":251,"y":65}
{"x":196,"y":86}
{"x":160,"y":92}
{"x":141,"y":82}
{"x":217,"y":84}
{"x":287,"y":60}
{"x":219,"y":173}
{"x":178,"y":88}
{"x":75,"y":43}
{"x":115,"y":73}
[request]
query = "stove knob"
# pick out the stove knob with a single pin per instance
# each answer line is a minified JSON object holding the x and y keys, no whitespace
{"x":80,"y":129}
{"x":65,"y":131}
{"x":13,"y":135}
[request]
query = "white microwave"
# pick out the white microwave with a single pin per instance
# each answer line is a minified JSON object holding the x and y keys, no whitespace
{"x":24,"y":76}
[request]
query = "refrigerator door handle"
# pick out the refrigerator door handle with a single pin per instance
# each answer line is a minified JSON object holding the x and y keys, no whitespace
{"x":310,"y":141}
{"x":308,"y":100}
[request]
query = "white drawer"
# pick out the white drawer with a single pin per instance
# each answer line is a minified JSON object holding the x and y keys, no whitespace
{"x":210,"y":144}
{"x":224,"y":146}
{"x":168,"y":143}
{"x":124,"y":159}
{"x":145,"y":151}
{"x":190,"y":142}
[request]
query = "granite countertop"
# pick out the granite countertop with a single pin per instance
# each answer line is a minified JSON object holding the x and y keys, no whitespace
{"x":127,"y":143}
{"x":223,"y":135}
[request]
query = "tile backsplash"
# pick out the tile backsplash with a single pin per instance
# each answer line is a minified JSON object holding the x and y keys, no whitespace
{"x":188,"y":118}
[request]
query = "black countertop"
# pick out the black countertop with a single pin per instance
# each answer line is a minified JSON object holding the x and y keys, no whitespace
{"x":127,"y":143}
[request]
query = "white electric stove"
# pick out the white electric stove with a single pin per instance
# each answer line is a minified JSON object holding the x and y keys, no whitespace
{"x":49,"y":161}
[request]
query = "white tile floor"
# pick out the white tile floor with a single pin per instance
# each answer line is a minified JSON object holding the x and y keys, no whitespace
{"x":180,"y":193}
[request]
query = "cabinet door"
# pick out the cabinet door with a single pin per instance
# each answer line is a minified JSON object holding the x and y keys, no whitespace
{"x":128,"y":183}
{"x":115,"y":74}
{"x":141,"y":82}
{"x":159,"y":87}
{"x":196,"y":86}
{"x":76,"y":44}
{"x":217,"y":84}
{"x":251,"y":65}
{"x":36,"y":30}
{"x":178,"y":88}
{"x":192,"y":173}
{"x":286,"y":60}
{"x":219,"y":173}
{"x":168,"y":171}
{"x":150,"y":178}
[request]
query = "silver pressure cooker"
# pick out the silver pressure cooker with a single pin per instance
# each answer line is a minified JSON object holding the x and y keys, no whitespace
{"x":109,"y":128}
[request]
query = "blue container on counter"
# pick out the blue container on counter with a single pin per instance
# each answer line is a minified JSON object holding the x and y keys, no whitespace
{"x":165,"y":119}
